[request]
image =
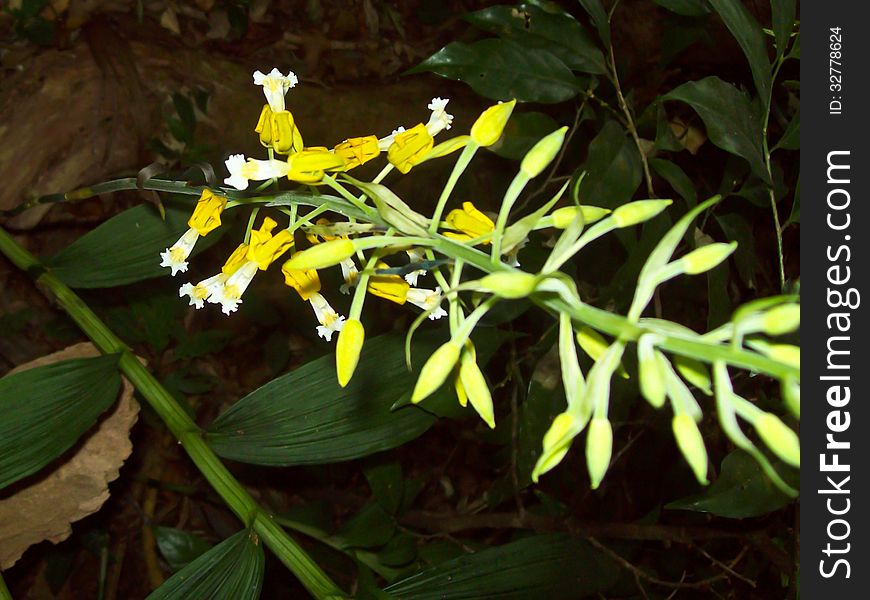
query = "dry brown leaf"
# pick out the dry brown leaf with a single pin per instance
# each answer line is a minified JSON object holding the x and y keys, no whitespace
{"x":689,"y":136}
{"x":76,"y":488}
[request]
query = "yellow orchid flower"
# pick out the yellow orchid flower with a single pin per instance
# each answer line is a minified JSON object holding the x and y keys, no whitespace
{"x":306,"y":282}
{"x":357,"y":151}
{"x":203,"y":290}
{"x":206,"y":218}
{"x":395,"y":289}
{"x":308,"y":165}
{"x":242,"y":171}
{"x":278,"y":130}
{"x":409,"y":147}
{"x":469,"y":223}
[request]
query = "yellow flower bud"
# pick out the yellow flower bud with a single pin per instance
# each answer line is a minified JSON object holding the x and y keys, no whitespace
{"x":784,"y":353}
{"x":389,"y":287}
{"x":236,"y":260}
{"x":305,"y":281}
{"x":470,"y":222}
{"x":695,"y":372}
{"x":286,"y":138}
{"x":706,"y":257}
{"x":791,"y":392}
{"x":347,"y":350}
{"x":781,"y":319}
{"x":652,"y":378}
{"x":460,"y":390}
{"x":358,"y":151}
{"x":264,"y":126}
{"x":556,"y":443}
{"x":436,"y":370}
{"x":509,"y":284}
{"x":410,"y":147}
{"x":594,"y":344}
{"x":264,"y":250}
{"x":779,"y":437}
{"x":475,"y":387}
{"x":691,"y":445}
{"x":599,"y":448}
{"x":322,"y":255}
{"x":206,"y":215}
{"x":638,"y":212}
{"x":542,"y":153}
{"x":308,"y":165}
{"x":562,"y":217}
{"x":489,"y":126}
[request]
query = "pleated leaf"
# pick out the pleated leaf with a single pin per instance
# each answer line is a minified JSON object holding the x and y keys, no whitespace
{"x":232,"y":570}
{"x":531,"y":568}
{"x":46,"y":409}
{"x":305,"y":417}
{"x":126,"y":248}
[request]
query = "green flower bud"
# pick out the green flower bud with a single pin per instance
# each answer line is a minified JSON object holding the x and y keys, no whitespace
{"x":599,"y":448}
{"x":781,"y":319}
{"x":791,"y":392}
{"x":347,"y":350}
{"x":706,"y":257}
{"x":594,"y":344}
{"x":556,"y":442}
{"x":691,"y":445}
{"x":562,"y":217}
{"x":436,"y":370}
{"x":476,"y":389}
{"x":779,"y":437}
{"x":695,"y":372}
{"x":542,"y":153}
{"x":638,"y":212}
{"x":652,"y":379}
{"x":784,"y":353}
{"x":322,"y":255}
{"x":491,"y":123}
{"x":509,"y":284}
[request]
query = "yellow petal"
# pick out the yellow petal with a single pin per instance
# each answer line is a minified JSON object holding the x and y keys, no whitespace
{"x":489,"y":126}
{"x":409,"y":147}
{"x":206,"y":215}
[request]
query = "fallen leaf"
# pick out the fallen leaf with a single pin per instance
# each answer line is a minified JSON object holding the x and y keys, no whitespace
{"x":75,"y":488}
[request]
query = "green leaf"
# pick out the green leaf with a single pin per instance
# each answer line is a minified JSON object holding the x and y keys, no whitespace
{"x":795,"y":216}
{"x":371,"y":527}
{"x":742,"y":490}
{"x":46,"y":409}
{"x":530,"y":568}
{"x":599,"y":18}
{"x":232,"y":570}
{"x":686,"y":8}
{"x":613,"y":168}
{"x":750,"y":37}
{"x":676,"y":178}
{"x":731,"y":122}
{"x":791,"y":137}
{"x":304,"y":417}
{"x":399,"y":551}
{"x":179,"y":547}
{"x":124,"y":249}
{"x":385,"y":480}
{"x":783,"y":13}
{"x":532,"y":27}
{"x":500,"y":69}
{"x":523,"y":131}
{"x":203,"y":342}
{"x":718,"y":299}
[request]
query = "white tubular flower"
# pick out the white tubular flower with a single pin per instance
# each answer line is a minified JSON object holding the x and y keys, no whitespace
{"x":440,"y":118}
{"x":385,"y":142}
{"x":350,"y":274}
{"x":415,"y":255}
{"x":229,"y":295}
{"x":330,"y":321}
{"x":176,"y":257}
{"x":275,"y":85}
{"x":427,"y":299}
{"x":200,"y":292}
{"x":242,"y":171}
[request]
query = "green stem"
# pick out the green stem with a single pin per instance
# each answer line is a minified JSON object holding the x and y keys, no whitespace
{"x":4,"y":591}
{"x":180,"y":424}
{"x":510,"y":197}
{"x":770,"y":191}
{"x":458,"y":169}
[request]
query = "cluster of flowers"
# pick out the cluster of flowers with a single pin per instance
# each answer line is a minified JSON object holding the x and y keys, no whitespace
{"x":279,"y":133}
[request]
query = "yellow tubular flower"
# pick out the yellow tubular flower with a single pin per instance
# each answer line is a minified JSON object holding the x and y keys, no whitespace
{"x":347,"y":350}
{"x":390,"y":287}
{"x":206,"y":216}
{"x":308,"y":165}
{"x":305,"y":281}
{"x":490,"y":124}
{"x":236,"y":260}
{"x":409,"y":147}
{"x":357,"y":151}
{"x":264,"y":126}
{"x":469,"y":222}
{"x":286,"y":138}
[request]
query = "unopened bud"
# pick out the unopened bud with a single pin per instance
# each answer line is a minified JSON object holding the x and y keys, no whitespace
{"x":706,"y":257}
{"x":509,"y":284}
{"x":691,"y":445}
{"x":347,"y":350}
{"x":652,"y":379}
{"x":436,"y":370}
{"x":476,"y":389}
{"x":322,"y":255}
{"x":779,"y":437}
{"x":638,"y":212}
{"x":556,"y":443}
{"x":599,"y":448}
{"x":562,"y":217}
{"x":791,"y":392}
{"x":695,"y":372}
{"x":542,"y":153}
{"x":491,"y":123}
{"x":781,"y":319}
